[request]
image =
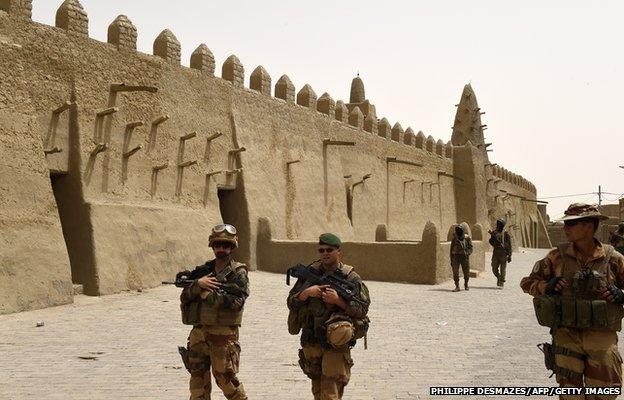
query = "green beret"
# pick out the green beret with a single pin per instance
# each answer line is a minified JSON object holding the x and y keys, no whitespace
{"x":330,"y":239}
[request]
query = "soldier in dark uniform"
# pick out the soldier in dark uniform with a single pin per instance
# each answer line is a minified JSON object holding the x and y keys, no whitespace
{"x":501,"y":251}
{"x":461,"y":249}
{"x":617,"y":238}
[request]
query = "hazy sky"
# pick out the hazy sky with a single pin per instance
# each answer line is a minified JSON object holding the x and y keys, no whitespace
{"x":548,"y":74}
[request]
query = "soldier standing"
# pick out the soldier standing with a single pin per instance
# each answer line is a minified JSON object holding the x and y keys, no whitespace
{"x":501,"y":251}
{"x":461,"y":249}
{"x":577,"y":289}
{"x":329,"y":324}
{"x":617,"y":238}
{"x":213,"y":304}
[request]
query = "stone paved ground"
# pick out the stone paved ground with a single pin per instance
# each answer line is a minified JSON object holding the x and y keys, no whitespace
{"x":420,"y":336}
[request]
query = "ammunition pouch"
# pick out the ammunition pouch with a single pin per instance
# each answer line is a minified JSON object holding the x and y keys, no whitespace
{"x":185,"y":357}
{"x":294,"y":325}
{"x":209,"y":312}
{"x":571,"y":312}
{"x":550,"y":350}
{"x":361,"y":327}
{"x":313,"y":370}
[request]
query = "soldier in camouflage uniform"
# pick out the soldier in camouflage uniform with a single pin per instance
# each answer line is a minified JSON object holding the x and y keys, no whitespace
{"x":577,"y":293}
{"x":213,"y":304}
{"x":461,"y":249}
{"x":329,"y":324}
{"x":617,"y":238}
{"x":501,"y":252}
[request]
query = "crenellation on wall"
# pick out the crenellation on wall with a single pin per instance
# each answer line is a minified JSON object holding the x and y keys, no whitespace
{"x":409,"y":138}
{"x":448,"y":152}
{"x":284,"y":89}
{"x":342,"y":113}
{"x":384,"y":129}
{"x":370,"y":124}
{"x":167,"y":47}
{"x":439,"y":149}
{"x":233,"y":71}
{"x":72,"y":17}
{"x":396,"y":134}
{"x":17,"y":8}
{"x":356,"y":118}
{"x":203,"y":60}
{"x":123,"y":34}
{"x":430,"y":144}
{"x":419,"y":141}
{"x":260,"y":80}
{"x":307,"y":97}
{"x":326,"y":105}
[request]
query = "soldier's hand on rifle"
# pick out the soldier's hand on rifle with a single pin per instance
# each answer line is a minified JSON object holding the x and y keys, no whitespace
{"x":313,"y":291}
{"x":612,"y":294}
{"x":209,"y":283}
{"x":330,"y":296}
{"x":556,"y":285}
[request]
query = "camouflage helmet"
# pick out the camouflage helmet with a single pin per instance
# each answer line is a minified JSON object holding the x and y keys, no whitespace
{"x":582,"y":210}
{"x":223,"y":233}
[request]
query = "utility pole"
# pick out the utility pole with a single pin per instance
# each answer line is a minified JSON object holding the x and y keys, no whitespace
{"x":599,"y":197}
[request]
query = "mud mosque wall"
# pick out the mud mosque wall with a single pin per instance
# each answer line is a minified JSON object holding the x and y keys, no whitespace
{"x":114,"y":164}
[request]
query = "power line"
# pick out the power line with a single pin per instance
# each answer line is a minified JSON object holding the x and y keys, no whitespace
{"x":568,"y":195}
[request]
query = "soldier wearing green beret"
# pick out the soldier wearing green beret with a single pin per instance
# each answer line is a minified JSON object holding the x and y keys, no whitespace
{"x":329,"y":323}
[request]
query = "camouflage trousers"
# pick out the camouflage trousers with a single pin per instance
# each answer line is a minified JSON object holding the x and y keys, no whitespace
{"x":456,"y":261}
{"x":329,"y":370}
{"x":216,"y":348}
{"x":499,"y":266}
{"x":593,"y":360}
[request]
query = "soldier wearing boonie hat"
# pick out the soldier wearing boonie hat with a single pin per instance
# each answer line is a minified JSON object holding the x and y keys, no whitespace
{"x":213,"y":304}
{"x":577,"y":293}
{"x":329,"y":324}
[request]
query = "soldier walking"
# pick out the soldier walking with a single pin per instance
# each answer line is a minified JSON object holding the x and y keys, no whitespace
{"x":213,"y":304}
{"x":577,"y":289}
{"x":329,"y":323}
{"x":461,"y":249}
{"x":501,"y":251}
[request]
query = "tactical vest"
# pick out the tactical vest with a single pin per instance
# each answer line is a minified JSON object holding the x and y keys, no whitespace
{"x":579,"y":305}
{"x":207,"y":312}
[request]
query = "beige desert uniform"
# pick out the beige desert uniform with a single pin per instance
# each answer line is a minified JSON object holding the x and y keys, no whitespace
{"x":213,"y":341}
{"x":584,"y":327}
{"x":328,"y":333}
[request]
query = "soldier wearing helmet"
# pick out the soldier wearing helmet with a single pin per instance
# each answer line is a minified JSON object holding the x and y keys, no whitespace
{"x":617,"y":238}
{"x":213,"y":304}
{"x":501,"y":251}
{"x":577,"y":293}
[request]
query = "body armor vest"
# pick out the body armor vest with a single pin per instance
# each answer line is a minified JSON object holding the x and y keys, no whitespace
{"x":209,"y":312}
{"x":579,"y":305}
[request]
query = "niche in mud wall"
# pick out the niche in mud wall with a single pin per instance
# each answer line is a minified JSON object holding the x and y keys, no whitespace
{"x":77,"y":230}
{"x":233,"y":207}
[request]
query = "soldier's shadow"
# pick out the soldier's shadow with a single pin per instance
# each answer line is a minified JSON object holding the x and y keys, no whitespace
{"x":471,"y":287}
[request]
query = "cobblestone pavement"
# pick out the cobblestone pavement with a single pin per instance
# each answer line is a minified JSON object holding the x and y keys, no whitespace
{"x":420,"y":336}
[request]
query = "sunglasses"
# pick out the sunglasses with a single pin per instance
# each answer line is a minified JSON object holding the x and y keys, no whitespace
{"x":574,"y":222}
{"x":224,"y":227}
{"x":222,"y":245}
{"x":322,"y":250}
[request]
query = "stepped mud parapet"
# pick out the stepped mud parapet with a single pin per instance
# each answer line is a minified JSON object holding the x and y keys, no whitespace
{"x":356,"y":118}
{"x":397,"y":133}
{"x":123,"y":34}
{"x":430,"y":144}
{"x":260,"y":80}
{"x":448,"y":153}
{"x":342,"y":113}
{"x":233,"y":71}
{"x":72,"y":17}
{"x":439,"y":147}
{"x":167,"y":46}
{"x":420,"y":140}
{"x":370,"y":124}
{"x":384,"y":129}
{"x":409,"y":138}
{"x":203,"y":60}
{"x":284,"y":89}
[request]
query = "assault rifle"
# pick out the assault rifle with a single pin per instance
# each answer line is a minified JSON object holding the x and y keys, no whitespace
{"x":345,"y":289}
{"x":187,"y":278}
{"x":495,"y":241}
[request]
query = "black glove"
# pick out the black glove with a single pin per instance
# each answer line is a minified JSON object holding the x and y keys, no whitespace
{"x":616,"y":292}
{"x":550,"y":288}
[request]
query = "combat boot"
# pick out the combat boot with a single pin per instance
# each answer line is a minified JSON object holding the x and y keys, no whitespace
{"x":456,"y":288}
{"x":466,"y":286}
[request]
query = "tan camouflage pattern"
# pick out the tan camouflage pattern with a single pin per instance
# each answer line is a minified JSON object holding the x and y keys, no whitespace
{"x":603,"y":366}
{"x":340,"y":333}
{"x":215,"y":348}
{"x":329,"y":370}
